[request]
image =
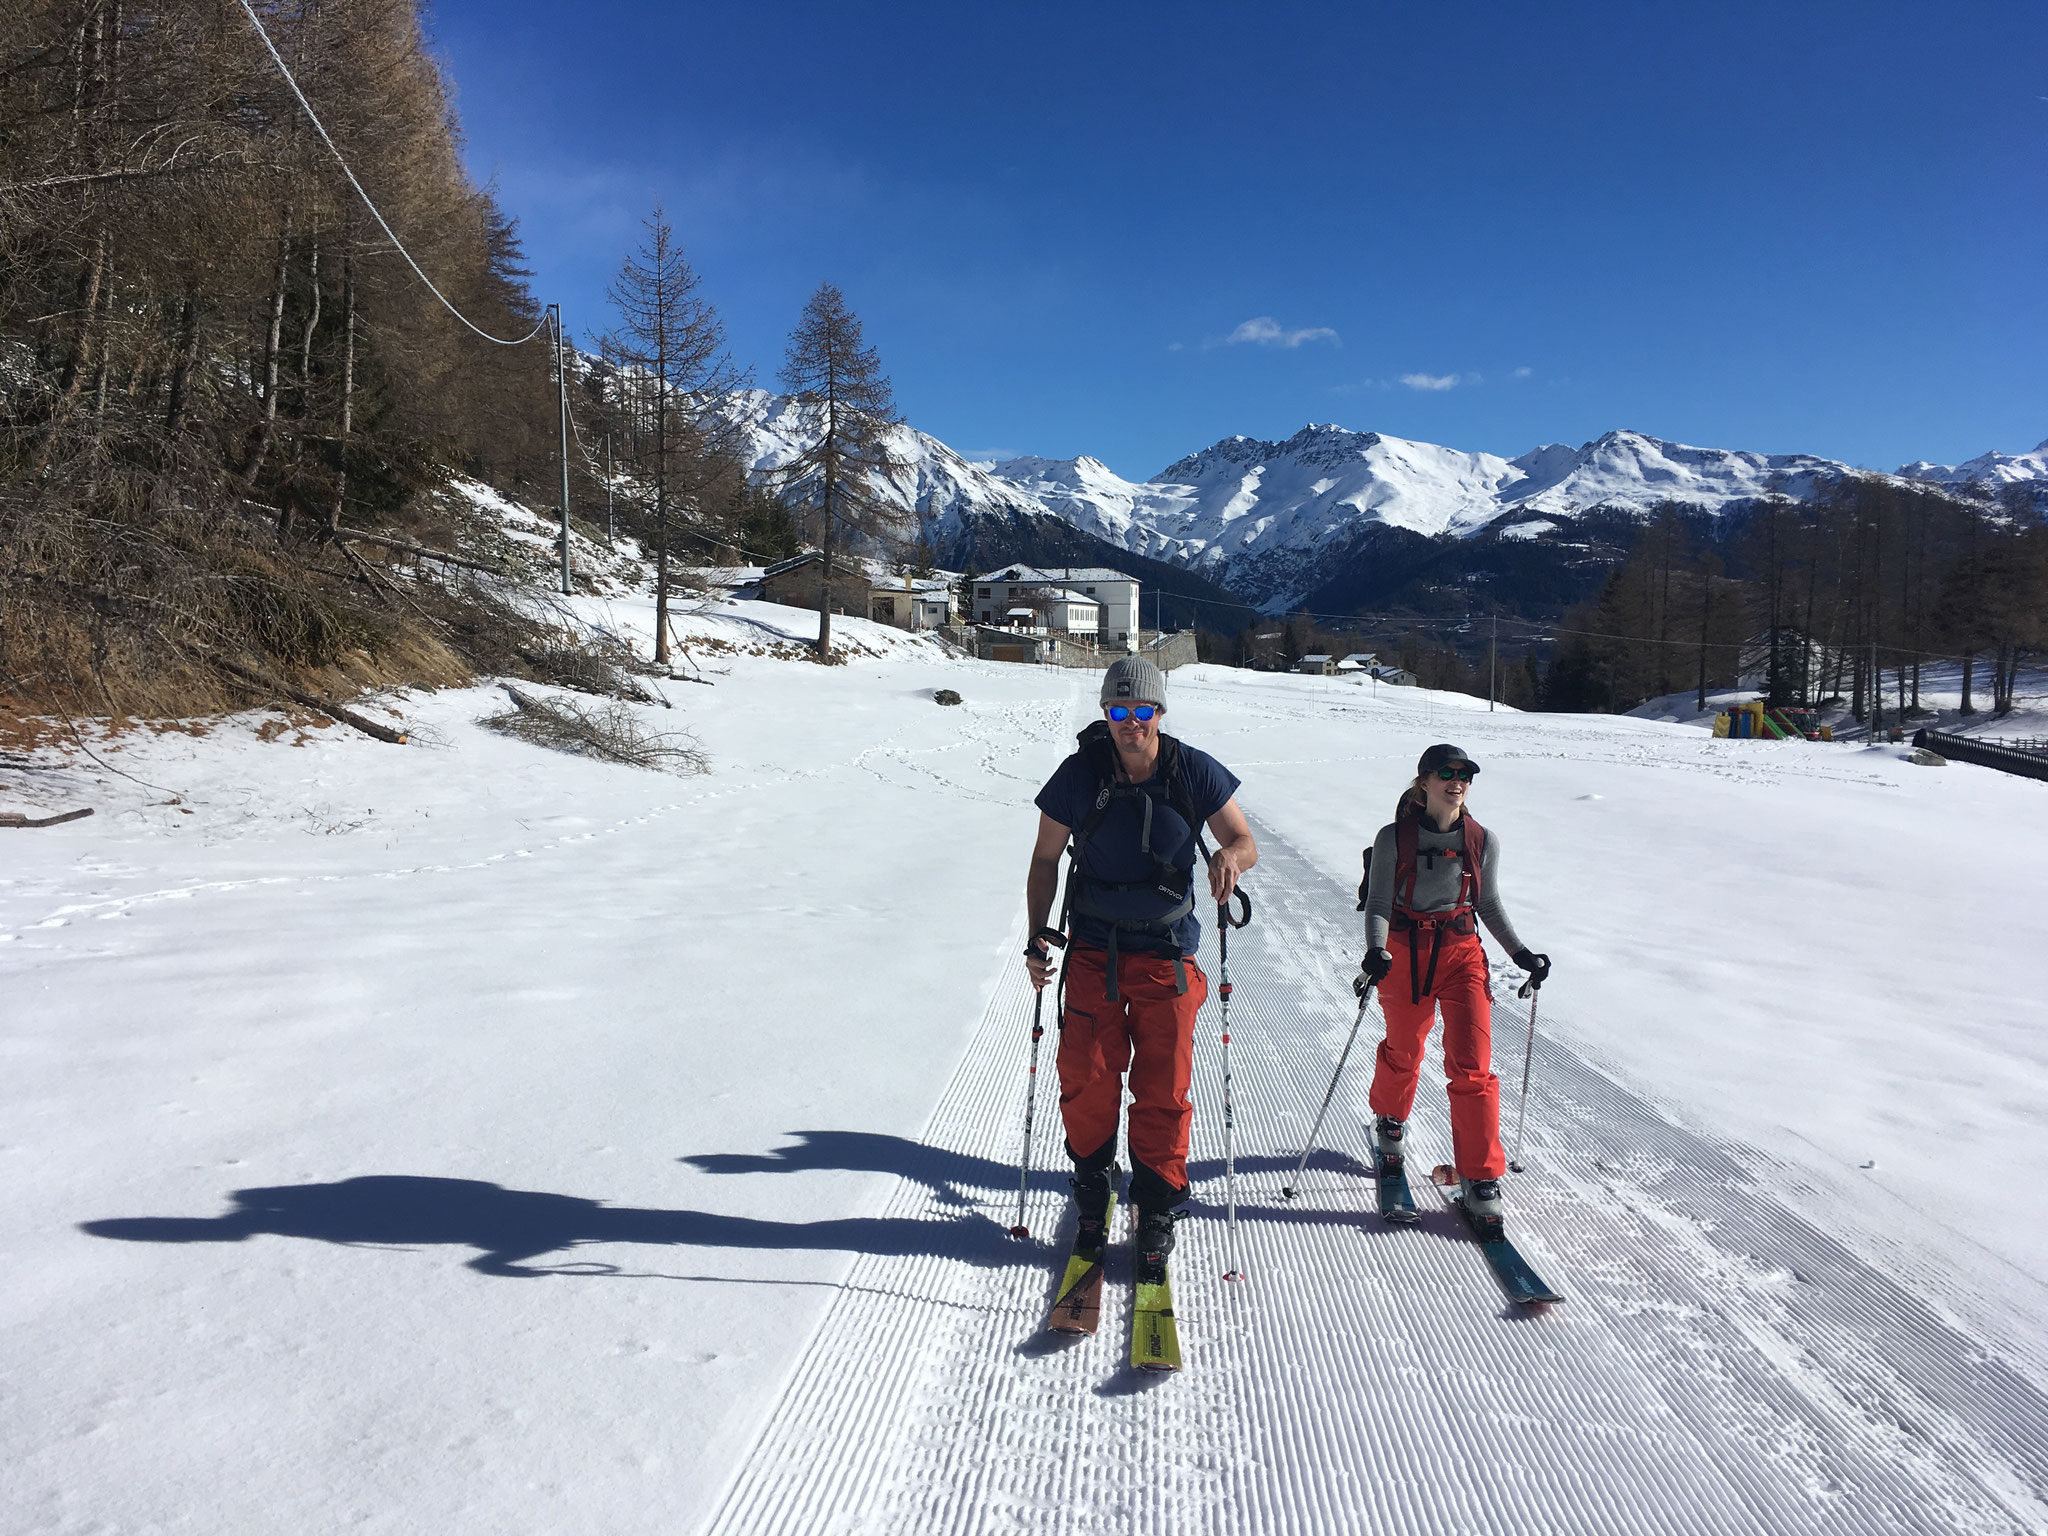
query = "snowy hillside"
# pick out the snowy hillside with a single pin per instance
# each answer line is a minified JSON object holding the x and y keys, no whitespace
{"x":1254,"y":515}
{"x":938,"y":490}
{"x":466,"y":1138}
{"x":1635,"y":470}
{"x":1992,"y":470}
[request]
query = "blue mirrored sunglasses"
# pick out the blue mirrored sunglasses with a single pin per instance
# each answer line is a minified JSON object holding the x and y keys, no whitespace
{"x":1122,"y":712}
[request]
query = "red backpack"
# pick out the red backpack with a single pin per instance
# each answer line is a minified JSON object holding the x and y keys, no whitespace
{"x":1461,"y":918}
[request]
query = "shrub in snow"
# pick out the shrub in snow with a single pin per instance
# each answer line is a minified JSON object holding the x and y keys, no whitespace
{"x":947,"y":696}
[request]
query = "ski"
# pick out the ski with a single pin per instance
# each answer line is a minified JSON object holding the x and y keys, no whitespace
{"x":1155,"y":1340}
{"x":1522,"y":1284}
{"x":1397,"y":1201}
{"x":1077,"y":1310}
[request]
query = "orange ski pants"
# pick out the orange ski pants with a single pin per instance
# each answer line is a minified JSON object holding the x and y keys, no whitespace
{"x":1466,"y":1001}
{"x":1149,"y":1032}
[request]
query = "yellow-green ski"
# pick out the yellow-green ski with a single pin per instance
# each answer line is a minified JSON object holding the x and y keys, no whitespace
{"x":1155,"y":1340}
{"x":1078,"y":1308}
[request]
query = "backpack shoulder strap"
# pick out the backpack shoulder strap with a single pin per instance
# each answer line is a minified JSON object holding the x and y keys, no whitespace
{"x":1099,"y":752}
{"x":1405,"y":843}
{"x":1475,"y":854}
{"x":1173,"y":769}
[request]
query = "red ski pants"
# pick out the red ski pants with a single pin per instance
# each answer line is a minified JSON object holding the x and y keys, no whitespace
{"x":1150,"y":1032}
{"x":1466,"y":1001}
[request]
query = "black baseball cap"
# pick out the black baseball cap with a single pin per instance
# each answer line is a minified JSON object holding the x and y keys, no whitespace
{"x":1442,"y":755}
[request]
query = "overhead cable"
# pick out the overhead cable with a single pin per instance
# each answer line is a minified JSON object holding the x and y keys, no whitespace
{"x":278,"y":59}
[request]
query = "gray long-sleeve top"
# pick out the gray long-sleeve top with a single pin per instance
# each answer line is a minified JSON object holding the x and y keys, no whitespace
{"x":1436,"y":882}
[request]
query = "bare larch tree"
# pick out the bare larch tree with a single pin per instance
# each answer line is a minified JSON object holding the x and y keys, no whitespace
{"x":843,"y":474}
{"x":671,"y":343}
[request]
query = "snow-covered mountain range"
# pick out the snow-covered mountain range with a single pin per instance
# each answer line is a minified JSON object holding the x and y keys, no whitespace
{"x":1257,"y":516}
{"x":1268,"y":519}
{"x":1990,"y":470}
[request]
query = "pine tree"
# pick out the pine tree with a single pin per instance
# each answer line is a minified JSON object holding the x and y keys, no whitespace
{"x":844,"y":473}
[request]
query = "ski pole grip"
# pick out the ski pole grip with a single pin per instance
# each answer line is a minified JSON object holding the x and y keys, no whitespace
{"x":1051,"y":936}
{"x":1244,"y":903}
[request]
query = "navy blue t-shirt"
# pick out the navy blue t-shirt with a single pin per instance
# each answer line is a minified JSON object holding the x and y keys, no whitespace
{"x":1113,"y":852}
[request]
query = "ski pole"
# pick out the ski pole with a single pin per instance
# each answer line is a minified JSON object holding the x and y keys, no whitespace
{"x":1224,"y":923}
{"x":1289,"y":1191}
{"x":1051,"y":936}
{"x":1528,"y":1054}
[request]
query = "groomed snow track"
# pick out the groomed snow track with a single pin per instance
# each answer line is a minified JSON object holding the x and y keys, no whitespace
{"x":1720,"y":1365}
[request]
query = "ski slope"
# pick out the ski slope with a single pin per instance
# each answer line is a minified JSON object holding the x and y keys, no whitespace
{"x":464,"y":1137}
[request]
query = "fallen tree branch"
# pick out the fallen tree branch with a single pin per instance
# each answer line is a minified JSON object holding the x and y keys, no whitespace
{"x":348,"y":717}
{"x":608,"y":731}
{"x":419,"y":550}
{"x":16,"y":819}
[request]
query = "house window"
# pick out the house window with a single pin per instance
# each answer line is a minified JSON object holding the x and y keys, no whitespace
{"x":981,"y":592}
{"x":1089,"y":590}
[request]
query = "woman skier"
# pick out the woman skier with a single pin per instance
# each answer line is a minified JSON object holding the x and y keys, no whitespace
{"x":1434,"y":877}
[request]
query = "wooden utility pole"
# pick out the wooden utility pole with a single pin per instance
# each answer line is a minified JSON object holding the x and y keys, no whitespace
{"x":562,"y":402}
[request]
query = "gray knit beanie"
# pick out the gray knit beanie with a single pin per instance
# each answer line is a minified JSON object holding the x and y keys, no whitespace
{"x":1134,"y":679}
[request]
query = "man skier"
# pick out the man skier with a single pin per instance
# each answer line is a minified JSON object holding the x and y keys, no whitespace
{"x":1133,"y":803}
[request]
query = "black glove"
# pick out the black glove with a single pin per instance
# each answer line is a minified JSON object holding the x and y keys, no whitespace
{"x":1538,"y":967}
{"x":1372,"y":971}
{"x":1036,"y":949}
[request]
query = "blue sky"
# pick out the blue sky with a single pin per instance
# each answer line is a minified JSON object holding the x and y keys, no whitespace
{"x":1128,"y":230}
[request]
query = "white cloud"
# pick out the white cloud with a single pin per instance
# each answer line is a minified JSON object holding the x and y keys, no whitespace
{"x":988,"y":456}
{"x":1265,"y":331}
{"x":1523,"y":373}
{"x":1430,"y":381}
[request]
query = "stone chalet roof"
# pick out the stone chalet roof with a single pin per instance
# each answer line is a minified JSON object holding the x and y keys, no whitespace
{"x":1316,"y":656}
{"x":1361,"y":659}
{"x":1061,"y":577}
{"x":806,"y":558}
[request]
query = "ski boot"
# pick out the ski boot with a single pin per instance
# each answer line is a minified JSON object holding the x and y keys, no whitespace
{"x":1386,"y":1142}
{"x":1093,"y":1189}
{"x":1482,"y":1204}
{"x":1155,"y":1244}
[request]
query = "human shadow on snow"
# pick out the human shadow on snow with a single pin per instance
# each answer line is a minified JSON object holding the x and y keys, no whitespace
{"x":509,"y":1228}
{"x":963,"y":1178}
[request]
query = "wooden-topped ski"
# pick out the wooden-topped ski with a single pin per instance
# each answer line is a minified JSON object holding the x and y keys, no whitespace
{"x":1523,"y":1285}
{"x":1155,"y":1341}
{"x":1078,"y":1308}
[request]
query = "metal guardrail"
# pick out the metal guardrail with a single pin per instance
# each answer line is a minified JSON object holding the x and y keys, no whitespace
{"x":2028,"y":761}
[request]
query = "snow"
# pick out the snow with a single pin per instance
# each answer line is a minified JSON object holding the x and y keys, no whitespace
{"x":1251,"y":513}
{"x":464,"y":1137}
{"x":1992,"y":469}
{"x":1635,"y":470}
